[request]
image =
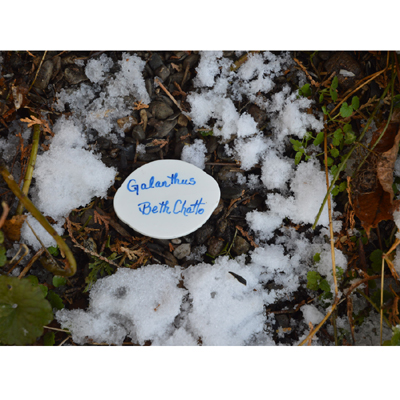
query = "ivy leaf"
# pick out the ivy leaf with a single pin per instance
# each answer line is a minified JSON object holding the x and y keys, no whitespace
{"x":350,"y":138}
{"x":319,"y":139}
{"x":346,"y":110}
{"x":23,"y":311}
{"x":324,"y":285}
{"x":347,"y":128}
{"x":330,"y":161}
{"x":355,"y":102}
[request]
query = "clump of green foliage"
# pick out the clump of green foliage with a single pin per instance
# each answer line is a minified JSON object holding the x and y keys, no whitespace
{"x":98,"y":269}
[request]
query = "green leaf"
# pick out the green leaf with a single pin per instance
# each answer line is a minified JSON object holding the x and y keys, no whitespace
{"x":350,"y":138}
{"x":49,"y":339}
{"x":376,"y":260}
{"x":324,"y":110}
{"x":296,"y":144}
{"x":324,"y":285}
{"x":55,"y":300}
{"x":343,"y":186}
{"x":313,"y":277}
{"x":334,"y":152}
{"x":355,"y":102}
{"x":330,"y":161}
{"x":321,"y":97}
{"x":297,"y":157}
{"x":3,"y":257}
{"x":335,"y":141}
{"x":347,"y":128}
{"x":305,"y":90}
{"x":23,"y":311}
{"x":335,"y":191}
{"x":208,"y":133}
{"x":53,"y":251}
{"x":333,"y":94}
{"x":335,"y":82}
{"x":59,"y":281}
{"x":346,"y":110}
{"x":334,"y":169}
{"x":319,"y":139}
{"x":1,"y":237}
{"x":33,"y":280}
{"x":317,"y":257}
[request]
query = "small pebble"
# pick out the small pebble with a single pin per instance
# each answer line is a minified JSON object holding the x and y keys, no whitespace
{"x":176,"y":241}
{"x":182,"y":251}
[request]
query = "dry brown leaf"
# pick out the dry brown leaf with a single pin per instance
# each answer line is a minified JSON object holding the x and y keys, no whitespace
{"x":372,"y":192}
{"x":12,"y":227}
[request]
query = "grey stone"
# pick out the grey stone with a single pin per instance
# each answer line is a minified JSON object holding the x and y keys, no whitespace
{"x":160,"y":110}
{"x":190,"y":61}
{"x":44,"y":75}
{"x":240,"y":246}
{"x":170,"y":260}
{"x":215,"y":246}
{"x":163,"y":72}
{"x":74,"y":75}
{"x":232,"y":192}
{"x":155,"y":61}
{"x":163,"y":128}
{"x":182,"y":251}
{"x":204,"y":233}
{"x":282,"y":320}
{"x":138,"y":133}
{"x":149,"y":87}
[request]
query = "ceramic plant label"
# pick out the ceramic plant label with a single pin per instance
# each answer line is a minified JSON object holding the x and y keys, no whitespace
{"x":166,"y":199}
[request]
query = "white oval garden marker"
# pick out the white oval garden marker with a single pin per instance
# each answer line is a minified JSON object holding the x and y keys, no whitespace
{"x":166,"y":199}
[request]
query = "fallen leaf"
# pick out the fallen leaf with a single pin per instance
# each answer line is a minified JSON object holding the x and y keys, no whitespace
{"x":372,"y":192}
{"x":12,"y":227}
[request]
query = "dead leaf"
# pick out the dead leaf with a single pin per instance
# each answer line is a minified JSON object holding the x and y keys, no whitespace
{"x":12,"y":227}
{"x":372,"y":192}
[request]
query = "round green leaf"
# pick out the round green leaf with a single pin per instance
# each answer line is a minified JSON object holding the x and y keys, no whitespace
{"x":23,"y":311}
{"x":346,"y":110}
{"x":59,"y":281}
{"x":355,"y":102}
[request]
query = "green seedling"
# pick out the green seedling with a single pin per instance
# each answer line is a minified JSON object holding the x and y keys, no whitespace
{"x":395,"y":340}
{"x":305,"y":90}
{"x":59,"y":281}
{"x":98,"y":268}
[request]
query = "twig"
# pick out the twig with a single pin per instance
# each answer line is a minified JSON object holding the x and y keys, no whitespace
{"x":304,"y":69}
{"x":30,"y":263}
{"x":31,"y":166}
{"x":19,"y":260}
{"x":37,"y":72}
{"x":71,"y":263}
{"x":6,"y":209}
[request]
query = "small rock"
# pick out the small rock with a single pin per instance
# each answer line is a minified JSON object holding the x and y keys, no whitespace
{"x":127,"y":123}
{"x":74,"y":75}
{"x":232,"y":192}
{"x":103,"y":143}
{"x":44,"y":75}
{"x":190,"y":61}
{"x":182,"y":120}
{"x":163,"y":128}
{"x":149,"y":84}
{"x":176,"y":241}
{"x":160,"y":110}
{"x":182,"y":251}
{"x":255,"y":203}
{"x":170,"y":260}
{"x":162,"y":72}
{"x":228,"y":174}
{"x":215,"y":246}
{"x":204,"y":233}
{"x":155,"y":61}
{"x":138,"y":133}
{"x":240,"y":246}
